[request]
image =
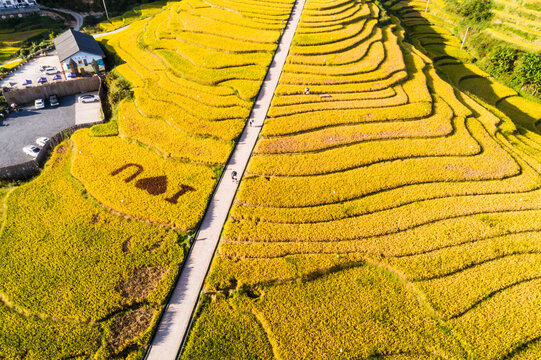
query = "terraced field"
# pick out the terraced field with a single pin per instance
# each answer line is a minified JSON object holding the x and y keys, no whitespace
{"x":517,"y":23}
{"x":430,"y":33}
{"x":10,"y":42}
{"x":137,"y":13}
{"x":92,"y":246}
{"x":383,"y":215}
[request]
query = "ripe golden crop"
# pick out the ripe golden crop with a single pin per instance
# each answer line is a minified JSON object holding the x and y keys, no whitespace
{"x":163,"y":136}
{"x":141,"y":183}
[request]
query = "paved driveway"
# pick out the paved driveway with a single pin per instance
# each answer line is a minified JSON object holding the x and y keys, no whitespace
{"x":24,"y":127}
{"x":86,"y":113}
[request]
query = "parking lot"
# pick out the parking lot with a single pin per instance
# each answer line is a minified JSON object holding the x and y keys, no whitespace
{"x":31,"y":71}
{"x":24,"y":127}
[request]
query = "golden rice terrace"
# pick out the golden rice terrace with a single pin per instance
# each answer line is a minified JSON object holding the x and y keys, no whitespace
{"x":384,"y":213}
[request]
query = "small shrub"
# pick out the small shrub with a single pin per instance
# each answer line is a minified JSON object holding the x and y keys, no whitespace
{"x":108,"y":129}
{"x":475,"y":11}
{"x":502,"y":59}
{"x":528,"y":72}
{"x":119,"y":88}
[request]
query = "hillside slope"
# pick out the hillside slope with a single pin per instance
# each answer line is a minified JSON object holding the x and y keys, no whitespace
{"x":383,"y":215}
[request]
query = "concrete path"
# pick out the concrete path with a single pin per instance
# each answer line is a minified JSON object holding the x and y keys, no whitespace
{"x":30,"y":71}
{"x":97,"y":36}
{"x":10,"y":62}
{"x":78,"y":17}
{"x":175,"y":322}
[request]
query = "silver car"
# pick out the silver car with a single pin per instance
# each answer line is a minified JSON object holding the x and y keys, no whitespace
{"x":31,"y":150}
{"x":89,"y":98}
{"x":41,"y":141}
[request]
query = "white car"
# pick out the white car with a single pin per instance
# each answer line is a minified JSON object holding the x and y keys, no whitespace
{"x":51,"y":71}
{"x":89,"y":98}
{"x":41,"y":141}
{"x":39,"y":104}
{"x":31,"y":150}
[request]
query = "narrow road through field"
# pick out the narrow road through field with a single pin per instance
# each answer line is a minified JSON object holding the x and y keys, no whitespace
{"x":97,"y":36}
{"x":10,"y":62}
{"x":175,"y":323}
{"x":78,"y":17}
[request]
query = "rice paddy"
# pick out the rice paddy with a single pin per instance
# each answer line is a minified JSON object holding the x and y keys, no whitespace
{"x":91,"y":251}
{"x":384,"y":214}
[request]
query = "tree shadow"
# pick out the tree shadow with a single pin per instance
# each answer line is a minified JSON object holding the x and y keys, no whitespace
{"x":437,"y":43}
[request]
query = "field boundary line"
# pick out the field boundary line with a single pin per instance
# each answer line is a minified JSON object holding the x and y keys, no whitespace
{"x":177,"y":317}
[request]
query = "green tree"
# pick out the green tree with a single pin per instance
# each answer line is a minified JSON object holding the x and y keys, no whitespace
{"x":119,"y":88}
{"x":476,"y":10}
{"x":473,"y":11}
{"x":528,"y":72}
{"x":502,"y":59}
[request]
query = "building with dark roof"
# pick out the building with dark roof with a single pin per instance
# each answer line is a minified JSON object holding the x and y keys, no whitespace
{"x":9,"y":4}
{"x":79,"y":52}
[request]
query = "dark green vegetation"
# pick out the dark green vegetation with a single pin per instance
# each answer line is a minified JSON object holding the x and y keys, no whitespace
{"x":472,"y":11}
{"x":495,"y":39}
{"x":24,"y":36}
{"x":115,"y":7}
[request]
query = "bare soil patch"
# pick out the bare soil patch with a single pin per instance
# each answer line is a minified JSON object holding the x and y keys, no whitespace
{"x":128,"y":326}
{"x":142,"y":282}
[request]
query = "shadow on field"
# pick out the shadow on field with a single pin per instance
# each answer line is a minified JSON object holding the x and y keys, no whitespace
{"x":431,"y":40}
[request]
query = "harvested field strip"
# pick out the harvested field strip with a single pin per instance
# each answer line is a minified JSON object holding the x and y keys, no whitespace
{"x":513,"y":40}
{"x":520,"y":29}
{"x":522,"y":9}
{"x":517,"y":19}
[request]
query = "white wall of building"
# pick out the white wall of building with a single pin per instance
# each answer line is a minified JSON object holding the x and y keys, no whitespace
{"x":84,"y":61}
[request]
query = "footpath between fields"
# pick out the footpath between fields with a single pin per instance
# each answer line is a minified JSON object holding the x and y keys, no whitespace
{"x":176,"y":320}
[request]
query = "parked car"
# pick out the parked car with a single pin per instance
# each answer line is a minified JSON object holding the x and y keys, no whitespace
{"x":41,"y":141}
{"x":39,"y":104}
{"x":89,"y":98}
{"x":51,"y":71}
{"x":53,"y":100}
{"x":44,"y":67}
{"x":31,"y":150}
